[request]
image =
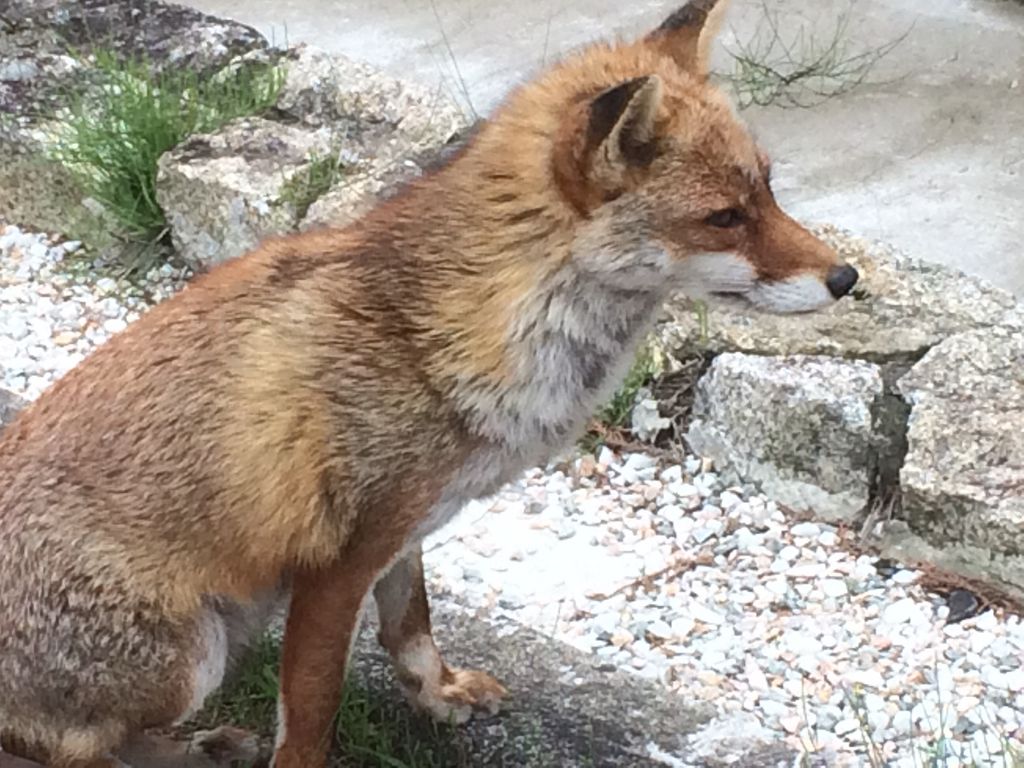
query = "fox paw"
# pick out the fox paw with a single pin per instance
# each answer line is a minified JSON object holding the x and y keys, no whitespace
{"x":459,"y":694}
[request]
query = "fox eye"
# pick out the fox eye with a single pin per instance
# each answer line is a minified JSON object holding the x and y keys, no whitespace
{"x":727,"y":218}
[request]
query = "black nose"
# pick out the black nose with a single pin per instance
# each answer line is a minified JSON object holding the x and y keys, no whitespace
{"x":841,"y":279}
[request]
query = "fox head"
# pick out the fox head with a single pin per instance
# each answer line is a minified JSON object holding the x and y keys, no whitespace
{"x":669,"y":186}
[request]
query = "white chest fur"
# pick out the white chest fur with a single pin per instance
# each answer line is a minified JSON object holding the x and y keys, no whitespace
{"x":570,"y":349}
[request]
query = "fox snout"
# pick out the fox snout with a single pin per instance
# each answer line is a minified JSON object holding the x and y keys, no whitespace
{"x":792,"y":269}
{"x":802,"y":292}
{"x":771,"y":263}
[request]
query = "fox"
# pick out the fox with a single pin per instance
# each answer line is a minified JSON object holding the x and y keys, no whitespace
{"x":286,"y":430}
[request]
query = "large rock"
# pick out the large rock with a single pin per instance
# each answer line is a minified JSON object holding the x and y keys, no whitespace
{"x":901,"y":308}
{"x":963,"y":477}
{"x":799,"y":426}
{"x":224,"y":192}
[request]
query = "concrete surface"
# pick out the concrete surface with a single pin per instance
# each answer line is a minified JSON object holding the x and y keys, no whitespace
{"x":929,"y":155}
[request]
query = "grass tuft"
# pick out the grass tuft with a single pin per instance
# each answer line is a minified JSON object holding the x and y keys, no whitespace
{"x":113,"y":136}
{"x":309,"y":185}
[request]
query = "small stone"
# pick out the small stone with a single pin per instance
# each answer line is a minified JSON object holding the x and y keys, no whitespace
{"x":789,"y":553}
{"x":986,"y":621}
{"x":869,"y":678}
{"x":774,"y":709}
{"x":706,"y":531}
{"x":805,"y":530}
{"x":900,"y":612}
{"x":672,"y":474}
{"x":902,"y":723}
{"x":834,"y":588}
{"x":1014,"y":680}
{"x":659,"y":629}
{"x":846,"y":726}
{"x":621,"y":637}
{"x":905,"y":577}
{"x":755,"y":675}
{"x":828,"y":539}
{"x":682,"y":627}
{"x":791,"y":724}
{"x":706,"y":615}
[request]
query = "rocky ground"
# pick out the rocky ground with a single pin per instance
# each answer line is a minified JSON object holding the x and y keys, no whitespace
{"x":654,"y":566}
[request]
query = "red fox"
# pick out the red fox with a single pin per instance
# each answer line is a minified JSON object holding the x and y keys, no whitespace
{"x":291,"y":425}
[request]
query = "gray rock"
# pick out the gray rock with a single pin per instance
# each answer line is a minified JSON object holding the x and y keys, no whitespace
{"x":226,"y":191}
{"x":740,"y":739}
{"x":800,"y":426}
{"x":10,"y":404}
{"x":322,"y":88}
{"x":963,"y":477}
{"x":396,"y":128}
{"x":902,"y":307}
{"x":165,"y":34}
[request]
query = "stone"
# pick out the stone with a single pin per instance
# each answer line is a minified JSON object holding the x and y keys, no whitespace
{"x":226,"y":191}
{"x":359,"y":99}
{"x":901,"y":611}
{"x":646,"y":422}
{"x":397,"y":129}
{"x":805,"y":530}
{"x":738,"y":739}
{"x":10,"y":404}
{"x":834,"y":588}
{"x":801,"y":426}
{"x":900,"y":308}
{"x":963,"y":477}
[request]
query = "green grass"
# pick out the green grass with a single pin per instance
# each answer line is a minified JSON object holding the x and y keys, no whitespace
{"x":615,"y":414}
{"x":307,"y":186}
{"x":370,"y":732}
{"x":249,"y":700}
{"x":113,"y":135}
{"x":617,"y":411}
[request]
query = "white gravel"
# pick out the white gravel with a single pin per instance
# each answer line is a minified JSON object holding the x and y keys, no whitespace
{"x":653,"y":567}
{"x":54,"y":309}
{"x":713,"y":591}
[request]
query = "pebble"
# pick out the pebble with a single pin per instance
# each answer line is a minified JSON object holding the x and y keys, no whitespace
{"x":834,"y":587}
{"x":805,"y":531}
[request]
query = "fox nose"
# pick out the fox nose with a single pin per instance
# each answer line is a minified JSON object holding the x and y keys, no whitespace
{"x":840,"y":280}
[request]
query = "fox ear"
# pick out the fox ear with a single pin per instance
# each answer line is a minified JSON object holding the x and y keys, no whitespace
{"x":621,"y":127}
{"x":687,"y":34}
